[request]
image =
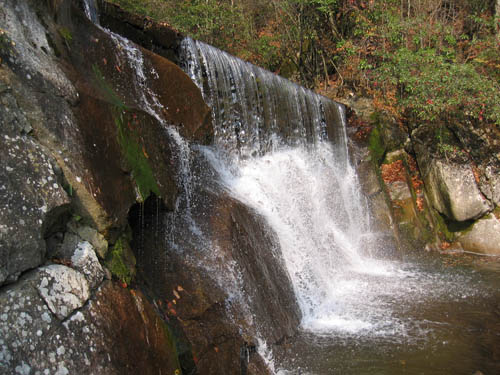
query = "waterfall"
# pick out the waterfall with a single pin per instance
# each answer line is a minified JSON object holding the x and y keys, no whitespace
{"x":255,"y":111}
{"x":91,"y":11}
{"x":282,"y":150}
{"x":285,"y":155}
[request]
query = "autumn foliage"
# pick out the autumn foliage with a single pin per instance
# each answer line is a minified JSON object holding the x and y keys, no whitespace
{"x":420,"y":60}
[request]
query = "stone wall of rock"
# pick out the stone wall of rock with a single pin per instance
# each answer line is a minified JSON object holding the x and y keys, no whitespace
{"x":77,"y":150}
{"x":92,"y":130}
{"x":440,"y":180}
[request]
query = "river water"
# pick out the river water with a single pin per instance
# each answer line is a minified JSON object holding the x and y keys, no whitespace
{"x":446,"y":322}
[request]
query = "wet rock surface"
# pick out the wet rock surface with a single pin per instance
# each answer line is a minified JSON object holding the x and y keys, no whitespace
{"x":226,"y":291}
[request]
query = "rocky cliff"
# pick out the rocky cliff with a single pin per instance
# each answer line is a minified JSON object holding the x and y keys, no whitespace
{"x":441,"y":181}
{"x":94,"y":133}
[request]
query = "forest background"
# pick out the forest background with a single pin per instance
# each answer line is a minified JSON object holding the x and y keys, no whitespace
{"x":419,"y":60}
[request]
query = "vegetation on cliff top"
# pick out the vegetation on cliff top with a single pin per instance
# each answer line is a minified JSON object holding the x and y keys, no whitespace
{"x":424,"y":60}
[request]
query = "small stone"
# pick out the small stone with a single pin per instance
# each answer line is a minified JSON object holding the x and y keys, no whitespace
{"x":95,"y":238}
{"x":64,"y":291}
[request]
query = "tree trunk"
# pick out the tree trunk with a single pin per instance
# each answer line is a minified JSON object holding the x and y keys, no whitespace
{"x":497,"y":18}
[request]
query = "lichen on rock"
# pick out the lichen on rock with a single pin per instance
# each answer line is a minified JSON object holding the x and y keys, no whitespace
{"x":63,"y":289}
{"x":85,"y":260}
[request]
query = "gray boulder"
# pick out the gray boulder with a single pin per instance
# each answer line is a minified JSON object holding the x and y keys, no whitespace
{"x":85,"y":260}
{"x":91,"y":235}
{"x":34,"y":341}
{"x":453,"y":190}
{"x":31,"y":200}
{"x":484,"y":237}
{"x":63,"y":289}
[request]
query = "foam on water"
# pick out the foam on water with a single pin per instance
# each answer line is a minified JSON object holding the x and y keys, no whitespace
{"x":343,"y":285}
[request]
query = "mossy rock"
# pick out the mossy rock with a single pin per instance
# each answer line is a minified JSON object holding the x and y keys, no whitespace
{"x":132,"y":148}
{"x":121,"y":261}
{"x":376,"y":145}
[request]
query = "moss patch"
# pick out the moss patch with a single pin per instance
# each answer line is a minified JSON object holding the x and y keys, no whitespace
{"x":121,"y":261}
{"x":136,"y":157}
{"x":132,"y":147}
{"x":376,"y":145}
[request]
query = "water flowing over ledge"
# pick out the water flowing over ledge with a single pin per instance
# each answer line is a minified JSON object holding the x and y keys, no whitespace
{"x":255,"y":111}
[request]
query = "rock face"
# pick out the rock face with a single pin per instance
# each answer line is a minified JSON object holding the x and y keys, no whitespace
{"x":35,"y":340}
{"x":437,"y":178}
{"x":30,"y":197}
{"x":483,"y":237}
{"x":225,"y":290}
{"x":453,"y":189}
{"x":79,"y":146}
{"x":449,"y":180}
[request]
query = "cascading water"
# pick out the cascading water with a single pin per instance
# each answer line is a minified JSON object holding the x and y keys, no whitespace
{"x":130,"y":55}
{"x":255,"y":111}
{"x":282,"y":150}
{"x":91,"y":11}
{"x":291,"y":174}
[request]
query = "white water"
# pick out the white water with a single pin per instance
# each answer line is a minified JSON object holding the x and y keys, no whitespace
{"x":343,"y":285}
{"x":91,"y":11}
{"x":255,"y":111}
